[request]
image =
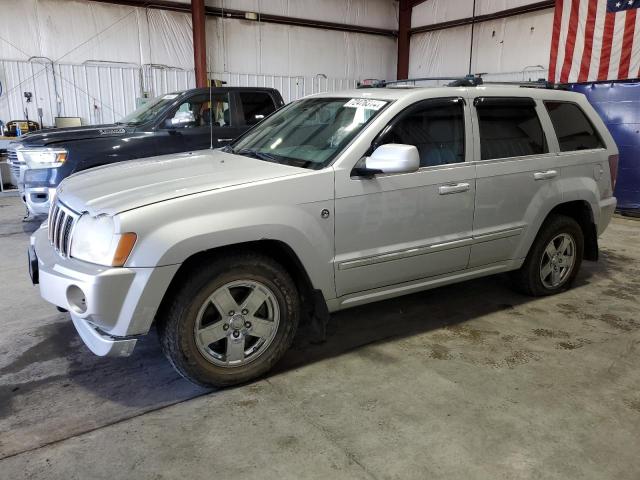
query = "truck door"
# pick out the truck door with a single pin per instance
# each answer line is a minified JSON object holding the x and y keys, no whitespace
{"x":196,"y":122}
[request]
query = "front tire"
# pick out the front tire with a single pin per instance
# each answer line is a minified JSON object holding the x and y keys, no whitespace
{"x":554,"y":259}
{"x":231,"y":321}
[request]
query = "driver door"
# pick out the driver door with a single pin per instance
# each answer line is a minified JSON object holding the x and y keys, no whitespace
{"x":197,"y":123}
{"x":396,"y":228}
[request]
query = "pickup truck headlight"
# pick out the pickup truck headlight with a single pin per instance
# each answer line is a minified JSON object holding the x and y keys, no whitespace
{"x":94,"y":241}
{"x":43,"y":157}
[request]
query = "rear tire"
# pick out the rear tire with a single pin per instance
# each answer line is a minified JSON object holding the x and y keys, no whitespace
{"x":231,"y":321}
{"x":553,"y":260}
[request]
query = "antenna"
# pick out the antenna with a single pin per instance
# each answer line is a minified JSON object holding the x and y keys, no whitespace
{"x":210,"y":116}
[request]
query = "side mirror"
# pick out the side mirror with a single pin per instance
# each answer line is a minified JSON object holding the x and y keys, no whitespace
{"x":394,"y":158}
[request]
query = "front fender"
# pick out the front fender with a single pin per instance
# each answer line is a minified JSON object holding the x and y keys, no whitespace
{"x":170,"y":232}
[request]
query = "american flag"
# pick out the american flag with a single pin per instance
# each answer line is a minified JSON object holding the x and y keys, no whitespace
{"x":595,"y":40}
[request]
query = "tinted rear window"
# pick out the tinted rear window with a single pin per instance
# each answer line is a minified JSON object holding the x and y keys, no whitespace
{"x":256,"y":106}
{"x":574,"y":130}
{"x":510,"y":130}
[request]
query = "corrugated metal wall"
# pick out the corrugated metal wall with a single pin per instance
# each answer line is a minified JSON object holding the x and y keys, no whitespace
{"x":105,"y":92}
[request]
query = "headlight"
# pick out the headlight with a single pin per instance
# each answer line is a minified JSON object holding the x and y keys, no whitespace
{"x":43,"y":157}
{"x":94,"y":241}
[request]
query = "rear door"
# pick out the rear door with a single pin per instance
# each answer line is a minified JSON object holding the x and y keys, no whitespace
{"x":515,"y":174}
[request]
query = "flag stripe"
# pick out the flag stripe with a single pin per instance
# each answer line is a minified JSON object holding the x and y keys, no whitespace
{"x":598,"y":33}
{"x":588,"y":42}
{"x":607,"y":40}
{"x":576,"y":60}
{"x":616,"y":44}
{"x":627,"y":43}
{"x":555,"y":40}
{"x":571,"y":41}
{"x":634,"y":69}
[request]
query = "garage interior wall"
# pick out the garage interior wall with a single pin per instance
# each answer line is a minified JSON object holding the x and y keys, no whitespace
{"x":93,"y":60}
{"x":513,"y":48}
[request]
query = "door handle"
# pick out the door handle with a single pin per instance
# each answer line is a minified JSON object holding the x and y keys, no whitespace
{"x":545,"y":175}
{"x":220,"y":140}
{"x":455,"y":188}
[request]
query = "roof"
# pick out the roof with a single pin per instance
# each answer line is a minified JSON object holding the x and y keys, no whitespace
{"x":505,"y":90}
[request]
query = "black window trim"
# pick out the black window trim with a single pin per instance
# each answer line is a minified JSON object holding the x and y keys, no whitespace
{"x":596,"y":131}
{"x":431,"y":102}
{"x":505,"y":101}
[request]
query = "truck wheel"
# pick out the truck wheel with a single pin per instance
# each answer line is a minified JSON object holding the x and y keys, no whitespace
{"x":553,"y":260}
{"x":231,"y":321}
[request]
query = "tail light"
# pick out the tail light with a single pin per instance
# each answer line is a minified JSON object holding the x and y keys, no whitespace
{"x":613,"y":170}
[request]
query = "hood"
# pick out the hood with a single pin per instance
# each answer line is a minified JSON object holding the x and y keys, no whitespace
{"x":127,"y":185}
{"x":59,"y":135}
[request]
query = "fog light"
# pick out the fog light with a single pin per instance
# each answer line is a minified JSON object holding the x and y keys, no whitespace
{"x":76,"y":299}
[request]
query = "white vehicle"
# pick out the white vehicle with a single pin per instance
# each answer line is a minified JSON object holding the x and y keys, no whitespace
{"x":336,"y":200}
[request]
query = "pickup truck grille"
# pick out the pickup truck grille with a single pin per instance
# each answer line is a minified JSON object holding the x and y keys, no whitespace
{"x":14,"y":163}
{"x":61,"y":222}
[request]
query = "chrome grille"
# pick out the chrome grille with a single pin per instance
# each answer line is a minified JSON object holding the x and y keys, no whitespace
{"x":61,"y":222}
{"x":14,"y":164}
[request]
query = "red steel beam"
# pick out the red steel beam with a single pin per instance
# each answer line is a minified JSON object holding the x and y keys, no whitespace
{"x":404,"y":38}
{"x":199,"y":42}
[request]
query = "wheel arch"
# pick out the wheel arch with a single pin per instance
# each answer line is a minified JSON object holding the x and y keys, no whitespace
{"x":581,"y":212}
{"x":275,"y":249}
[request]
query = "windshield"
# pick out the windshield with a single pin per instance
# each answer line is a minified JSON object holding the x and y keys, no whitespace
{"x":308,"y":133}
{"x":149,"y":110}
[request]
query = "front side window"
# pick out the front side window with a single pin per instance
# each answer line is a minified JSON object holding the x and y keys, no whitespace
{"x":201,"y":111}
{"x":308,"y":133}
{"x":509,"y":127}
{"x":573,"y":128}
{"x":434,"y":127}
{"x":149,"y":111}
{"x":256,"y":106}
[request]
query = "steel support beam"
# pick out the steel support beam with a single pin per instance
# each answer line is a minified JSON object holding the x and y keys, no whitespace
{"x":511,"y":12}
{"x":404,"y":38}
{"x":265,"y":18}
{"x":199,"y":42}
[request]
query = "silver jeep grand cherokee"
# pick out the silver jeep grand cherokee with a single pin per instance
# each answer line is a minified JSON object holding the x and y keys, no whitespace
{"x":336,"y":200}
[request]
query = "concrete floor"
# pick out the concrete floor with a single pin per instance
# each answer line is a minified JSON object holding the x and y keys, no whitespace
{"x":467,"y":381}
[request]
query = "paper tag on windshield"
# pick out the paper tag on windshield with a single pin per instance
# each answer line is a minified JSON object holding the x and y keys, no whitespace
{"x":169,"y":97}
{"x":365,"y":103}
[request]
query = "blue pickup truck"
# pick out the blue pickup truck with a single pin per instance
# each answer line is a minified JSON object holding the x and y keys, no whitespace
{"x":177,"y":122}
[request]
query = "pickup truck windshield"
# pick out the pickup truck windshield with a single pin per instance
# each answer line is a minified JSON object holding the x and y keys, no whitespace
{"x":308,"y":133}
{"x":149,"y":110}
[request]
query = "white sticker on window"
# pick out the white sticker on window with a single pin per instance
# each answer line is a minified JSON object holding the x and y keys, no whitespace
{"x":365,"y":103}
{"x":170,"y":97}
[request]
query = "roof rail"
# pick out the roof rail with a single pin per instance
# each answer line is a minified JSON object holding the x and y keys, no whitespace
{"x":466,"y":81}
{"x":540,"y":83}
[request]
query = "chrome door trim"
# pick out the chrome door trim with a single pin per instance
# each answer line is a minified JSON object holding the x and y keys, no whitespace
{"x":510,"y":232}
{"x":400,"y":254}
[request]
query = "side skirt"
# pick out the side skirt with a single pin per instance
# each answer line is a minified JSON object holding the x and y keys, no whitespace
{"x":383,"y":293}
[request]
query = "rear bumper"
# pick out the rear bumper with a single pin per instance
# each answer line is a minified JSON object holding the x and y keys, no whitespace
{"x":607,"y":207}
{"x":109,"y":306}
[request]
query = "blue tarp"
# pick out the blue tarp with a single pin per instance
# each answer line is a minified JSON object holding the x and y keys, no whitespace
{"x":619,"y":106}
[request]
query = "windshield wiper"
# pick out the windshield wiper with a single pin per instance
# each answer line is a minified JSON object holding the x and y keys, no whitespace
{"x":227,"y":149}
{"x":247,"y":152}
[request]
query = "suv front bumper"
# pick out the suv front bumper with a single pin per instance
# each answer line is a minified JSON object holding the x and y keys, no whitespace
{"x":110,"y":307}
